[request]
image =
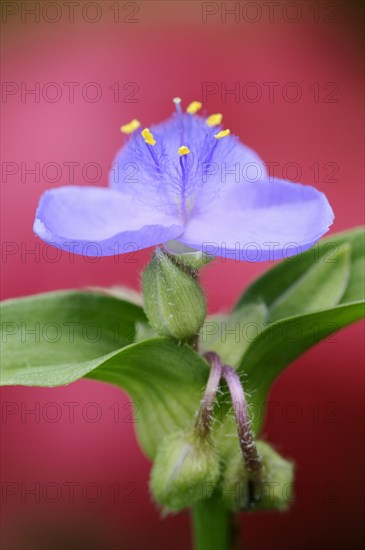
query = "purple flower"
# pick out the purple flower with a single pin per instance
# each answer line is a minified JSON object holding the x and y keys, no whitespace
{"x":188,"y":181}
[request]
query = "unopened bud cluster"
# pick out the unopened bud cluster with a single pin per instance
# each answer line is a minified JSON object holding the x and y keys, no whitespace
{"x":185,"y":469}
{"x":275,"y":490}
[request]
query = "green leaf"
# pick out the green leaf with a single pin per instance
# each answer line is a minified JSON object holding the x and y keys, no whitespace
{"x":229,"y":336}
{"x":79,"y":334}
{"x":55,"y":338}
{"x":324,"y":276}
{"x":282,"y":342}
{"x":121,"y":292}
{"x":280,"y":278}
{"x":307,"y":297}
{"x":321,"y":286}
{"x":165,"y":381}
{"x":294,"y":305}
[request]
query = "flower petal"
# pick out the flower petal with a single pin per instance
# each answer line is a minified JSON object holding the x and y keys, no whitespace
{"x":95,"y":221}
{"x":266,"y":220}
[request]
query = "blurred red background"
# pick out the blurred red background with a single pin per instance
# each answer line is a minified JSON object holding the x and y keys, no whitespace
{"x":298,"y":70}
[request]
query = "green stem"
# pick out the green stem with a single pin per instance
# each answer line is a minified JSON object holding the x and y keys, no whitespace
{"x":213,"y":525}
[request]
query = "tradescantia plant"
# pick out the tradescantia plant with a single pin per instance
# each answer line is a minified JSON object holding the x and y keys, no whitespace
{"x":193,"y":384}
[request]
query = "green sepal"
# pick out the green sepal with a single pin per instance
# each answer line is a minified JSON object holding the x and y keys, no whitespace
{"x":185,"y":256}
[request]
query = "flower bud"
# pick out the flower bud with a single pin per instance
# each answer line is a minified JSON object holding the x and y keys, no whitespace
{"x":186,"y":469}
{"x":174,"y":301}
{"x":275,"y":490}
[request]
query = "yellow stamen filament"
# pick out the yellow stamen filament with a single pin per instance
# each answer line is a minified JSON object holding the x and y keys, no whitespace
{"x":183,"y":150}
{"x":214,"y":120}
{"x":130,"y":127}
{"x":194,"y":107}
{"x":222,"y":134}
{"x":148,"y":137}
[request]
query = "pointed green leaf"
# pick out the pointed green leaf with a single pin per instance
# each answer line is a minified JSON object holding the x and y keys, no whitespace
{"x":308,"y":297}
{"x":282,"y":342}
{"x":275,"y":282}
{"x":54,"y":339}
{"x":230,"y":335}
{"x":321,"y":286}
{"x":165,"y":381}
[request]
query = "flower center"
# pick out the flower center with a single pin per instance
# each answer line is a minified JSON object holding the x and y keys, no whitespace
{"x":197,"y":143}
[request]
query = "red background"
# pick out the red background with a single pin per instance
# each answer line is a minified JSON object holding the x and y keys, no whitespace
{"x":170,"y":51}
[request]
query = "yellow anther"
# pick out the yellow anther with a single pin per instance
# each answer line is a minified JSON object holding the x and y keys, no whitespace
{"x":214,"y":120}
{"x":130,"y":127}
{"x":183,"y":150}
{"x":148,"y":137}
{"x":222,"y":134}
{"x":194,"y":107}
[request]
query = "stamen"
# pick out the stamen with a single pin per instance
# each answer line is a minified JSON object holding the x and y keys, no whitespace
{"x":148,"y":137}
{"x":222,"y":134}
{"x":183,"y":150}
{"x":194,"y":107}
{"x":214,"y":120}
{"x":130,"y":127}
{"x":177,"y":101}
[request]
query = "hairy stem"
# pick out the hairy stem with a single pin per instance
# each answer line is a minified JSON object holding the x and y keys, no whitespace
{"x":249,"y":450}
{"x":204,"y":417}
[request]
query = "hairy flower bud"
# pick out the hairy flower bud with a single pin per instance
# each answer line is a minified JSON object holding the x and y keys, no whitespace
{"x":174,"y":301}
{"x":275,"y":490}
{"x":186,"y":470}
